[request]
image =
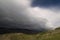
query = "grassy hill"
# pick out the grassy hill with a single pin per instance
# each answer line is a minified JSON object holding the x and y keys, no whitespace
{"x":50,"y":35}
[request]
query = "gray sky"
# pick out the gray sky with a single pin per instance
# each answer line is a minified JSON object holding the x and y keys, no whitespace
{"x":23,"y":14}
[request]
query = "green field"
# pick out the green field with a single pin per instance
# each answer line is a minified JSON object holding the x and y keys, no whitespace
{"x":50,"y":35}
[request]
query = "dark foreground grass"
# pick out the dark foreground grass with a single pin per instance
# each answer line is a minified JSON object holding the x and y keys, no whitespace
{"x":50,"y":35}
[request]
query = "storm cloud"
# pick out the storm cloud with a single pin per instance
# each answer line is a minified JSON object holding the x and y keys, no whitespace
{"x":19,"y":14}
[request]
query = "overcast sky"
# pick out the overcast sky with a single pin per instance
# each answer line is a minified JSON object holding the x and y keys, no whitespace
{"x":51,"y":9}
{"x":30,"y":14}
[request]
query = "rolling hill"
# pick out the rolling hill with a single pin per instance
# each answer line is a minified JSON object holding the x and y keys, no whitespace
{"x":50,"y":35}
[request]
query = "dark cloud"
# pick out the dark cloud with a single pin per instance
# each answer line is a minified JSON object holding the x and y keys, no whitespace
{"x":19,"y":16}
{"x":46,"y":3}
{"x":14,"y":17}
{"x":7,"y":26}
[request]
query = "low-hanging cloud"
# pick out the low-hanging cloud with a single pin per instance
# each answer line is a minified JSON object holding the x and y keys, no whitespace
{"x":20,"y":14}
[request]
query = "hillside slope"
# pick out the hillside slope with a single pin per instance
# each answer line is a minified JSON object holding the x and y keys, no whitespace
{"x":50,"y":35}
